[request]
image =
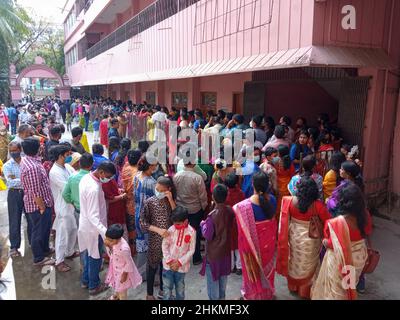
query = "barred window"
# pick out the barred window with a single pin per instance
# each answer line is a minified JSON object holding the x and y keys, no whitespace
{"x":179,"y":99}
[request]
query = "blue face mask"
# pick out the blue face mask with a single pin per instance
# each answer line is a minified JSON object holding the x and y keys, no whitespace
{"x":275,"y":160}
{"x":68,"y":159}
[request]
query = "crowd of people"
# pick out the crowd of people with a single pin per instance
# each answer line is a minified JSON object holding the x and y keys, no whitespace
{"x":294,"y":206}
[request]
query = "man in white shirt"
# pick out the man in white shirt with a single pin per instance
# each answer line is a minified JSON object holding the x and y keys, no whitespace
{"x":159,"y":119}
{"x":65,"y":223}
{"x":93,"y":225}
{"x":23,"y":117}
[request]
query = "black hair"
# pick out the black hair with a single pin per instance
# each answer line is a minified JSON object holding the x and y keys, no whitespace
{"x":30,"y":146}
{"x":352,"y":201}
{"x":169,"y":183}
{"x":134,"y":156}
{"x":300,"y":148}
{"x":143,"y":164}
{"x":115,"y":232}
{"x":143,"y":146}
{"x":308,"y":164}
{"x":307,"y":193}
{"x":98,"y":148}
{"x":58,"y":150}
{"x":113,"y":121}
{"x":113,"y":144}
{"x":287,"y":120}
{"x":336,"y":161}
{"x":261,"y":187}
{"x":323,"y":117}
{"x":322,"y":137}
{"x":221,"y":114}
{"x":229,"y":115}
{"x":270,"y":151}
{"x":283,"y":152}
{"x":77,"y":131}
{"x":55,"y":131}
{"x":231,"y":180}
{"x":179,"y":214}
{"x":270,"y":122}
{"x":125,"y":147}
{"x":257,"y":120}
{"x":279,"y":132}
{"x":86,"y":161}
{"x":220,"y":193}
{"x":107,"y":166}
{"x":354,"y":170}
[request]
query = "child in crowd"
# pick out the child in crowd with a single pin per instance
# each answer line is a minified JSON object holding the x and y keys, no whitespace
{"x":178,"y":249}
{"x":217,"y":230}
{"x":235,"y":195}
{"x":122,"y":272}
{"x":268,"y":167}
{"x":96,"y":129}
{"x":113,"y":131}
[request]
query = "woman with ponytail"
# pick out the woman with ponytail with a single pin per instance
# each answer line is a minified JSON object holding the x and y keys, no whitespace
{"x":345,"y":240}
{"x":155,"y":218}
{"x":285,"y":171}
{"x":257,"y":228}
{"x":349,"y":172}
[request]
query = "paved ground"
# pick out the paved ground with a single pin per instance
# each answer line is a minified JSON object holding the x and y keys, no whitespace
{"x":25,"y":280}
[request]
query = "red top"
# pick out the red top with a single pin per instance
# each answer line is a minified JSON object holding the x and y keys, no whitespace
{"x":116,"y":210}
{"x":355,"y":234}
{"x":318,"y":207}
{"x":235,"y":196}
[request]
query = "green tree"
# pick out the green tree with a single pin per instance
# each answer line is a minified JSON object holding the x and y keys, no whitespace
{"x":13,"y":26}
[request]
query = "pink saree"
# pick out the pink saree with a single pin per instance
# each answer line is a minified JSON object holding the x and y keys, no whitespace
{"x":252,"y":237}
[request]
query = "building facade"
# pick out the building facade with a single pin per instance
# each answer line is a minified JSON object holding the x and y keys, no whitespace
{"x":294,"y":57}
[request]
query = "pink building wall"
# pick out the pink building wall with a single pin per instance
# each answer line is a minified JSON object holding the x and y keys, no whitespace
{"x":180,"y":45}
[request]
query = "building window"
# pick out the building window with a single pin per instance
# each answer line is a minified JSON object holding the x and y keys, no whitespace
{"x":179,"y":99}
{"x":151,"y":98}
{"x":71,"y":56}
{"x":209,"y":100}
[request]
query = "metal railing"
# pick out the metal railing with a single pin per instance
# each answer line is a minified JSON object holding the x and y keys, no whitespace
{"x":88,"y":3}
{"x":147,"y":18}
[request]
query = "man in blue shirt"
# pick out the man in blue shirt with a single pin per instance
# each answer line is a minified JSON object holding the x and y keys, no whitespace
{"x":15,"y":197}
{"x":98,"y":158}
{"x":13,"y":117}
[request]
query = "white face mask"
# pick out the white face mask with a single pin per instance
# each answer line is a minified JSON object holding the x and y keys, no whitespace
{"x":257,"y":159}
{"x":251,"y":124}
{"x":105,"y":180}
{"x":159,"y":195}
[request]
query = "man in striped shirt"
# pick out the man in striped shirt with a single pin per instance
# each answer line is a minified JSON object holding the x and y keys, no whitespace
{"x":38,"y":201}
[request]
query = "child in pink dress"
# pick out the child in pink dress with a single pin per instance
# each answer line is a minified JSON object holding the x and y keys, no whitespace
{"x":122,"y":272}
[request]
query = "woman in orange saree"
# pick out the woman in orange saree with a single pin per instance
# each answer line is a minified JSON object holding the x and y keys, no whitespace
{"x":298,"y":254}
{"x":257,"y":229}
{"x":346,"y":246}
{"x":284,"y":171}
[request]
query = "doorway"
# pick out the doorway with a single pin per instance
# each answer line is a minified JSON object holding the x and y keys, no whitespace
{"x":237,"y":107}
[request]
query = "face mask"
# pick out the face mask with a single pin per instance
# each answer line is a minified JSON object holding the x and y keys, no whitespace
{"x":105,"y":180}
{"x":159,"y":195}
{"x":251,"y":124}
{"x":257,"y":159}
{"x":68,"y":159}
{"x":275,"y":160}
{"x":15,"y":155}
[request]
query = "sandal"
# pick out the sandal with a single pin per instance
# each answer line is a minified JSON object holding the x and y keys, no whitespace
{"x":15,"y":253}
{"x":101,"y":288}
{"x":45,"y":262}
{"x":114,"y":297}
{"x":76,"y":254}
{"x":63,"y":267}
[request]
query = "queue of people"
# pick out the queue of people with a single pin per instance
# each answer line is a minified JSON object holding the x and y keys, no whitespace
{"x":252,"y":218}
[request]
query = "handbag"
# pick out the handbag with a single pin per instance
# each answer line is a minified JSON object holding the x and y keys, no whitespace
{"x":316,"y":228}
{"x":372,"y":261}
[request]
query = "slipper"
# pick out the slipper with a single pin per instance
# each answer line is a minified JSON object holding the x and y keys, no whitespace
{"x":76,"y":254}
{"x":113,"y":297}
{"x":63,"y":267}
{"x":15,"y":253}
{"x":45,"y":262}
{"x":101,"y":288}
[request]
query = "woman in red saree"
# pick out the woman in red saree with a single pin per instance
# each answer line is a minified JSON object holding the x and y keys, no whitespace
{"x":284,"y":171}
{"x":257,"y":229}
{"x":104,"y":131}
{"x":346,"y":247}
{"x":298,"y":254}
